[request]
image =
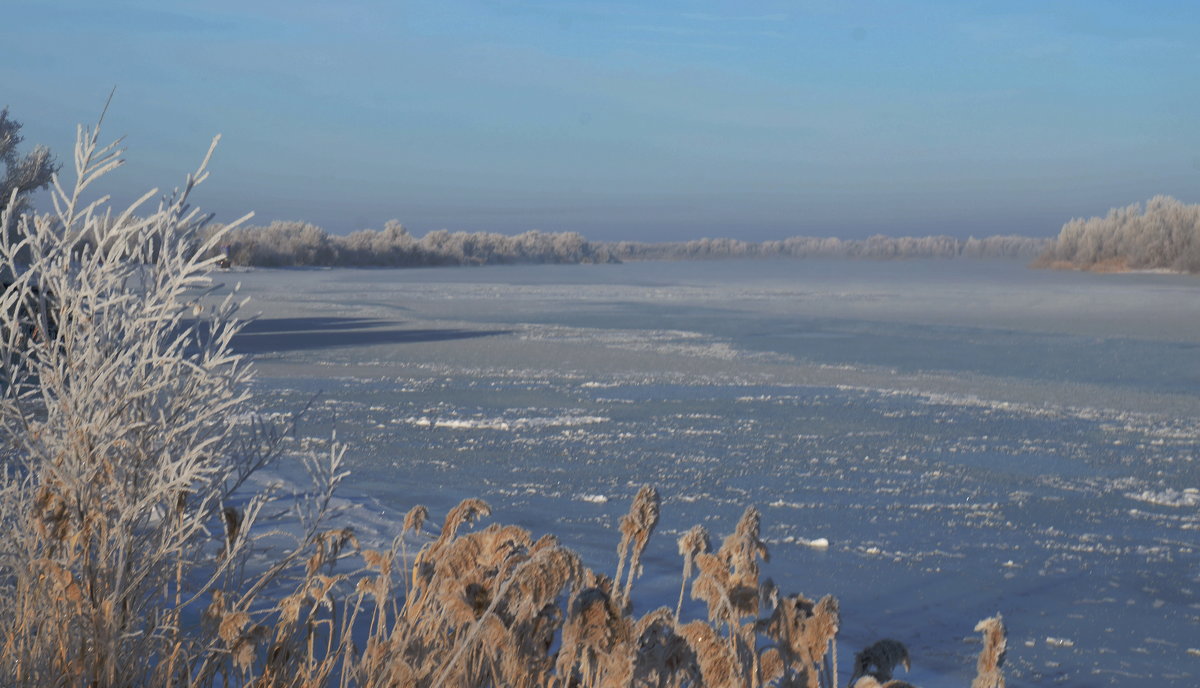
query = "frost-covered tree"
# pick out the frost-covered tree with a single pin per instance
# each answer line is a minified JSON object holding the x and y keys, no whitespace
{"x":286,"y":243}
{"x":878,"y":247}
{"x":1165,"y":234}
{"x":22,"y":173}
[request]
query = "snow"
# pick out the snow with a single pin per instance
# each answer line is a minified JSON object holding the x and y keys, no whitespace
{"x":972,"y":437}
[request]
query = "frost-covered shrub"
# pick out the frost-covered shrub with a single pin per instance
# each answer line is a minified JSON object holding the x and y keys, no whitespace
{"x":282,"y":244}
{"x":1163,"y":235}
{"x":124,"y":447}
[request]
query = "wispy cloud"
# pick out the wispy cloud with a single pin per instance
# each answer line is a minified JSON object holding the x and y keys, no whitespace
{"x":716,"y":33}
{"x":596,"y":8}
{"x":1037,"y":37}
{"x":128,"y":18}
{"x":670,"y":30}
{"x":706,"y":17}
{"x":1152,"y":44}
{"x":701,"y":45}
{"x":1023,"y":36}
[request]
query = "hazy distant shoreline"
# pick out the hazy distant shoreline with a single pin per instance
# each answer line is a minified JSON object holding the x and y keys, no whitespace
{"x":878,"y":247}
{"x":300,"y":244}
{"x":1163,"y":237}
{"x":1106,"y":267}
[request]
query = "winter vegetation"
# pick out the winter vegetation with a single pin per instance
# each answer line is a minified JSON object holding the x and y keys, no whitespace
{"x":282,"y":244}
{"x":22,"y":173}
{"x":878,"y":247}
{"x":139,"y":547}
{"x":1165,"y":235}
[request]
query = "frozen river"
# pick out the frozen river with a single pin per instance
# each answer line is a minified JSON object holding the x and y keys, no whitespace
{"x":971,"y":437}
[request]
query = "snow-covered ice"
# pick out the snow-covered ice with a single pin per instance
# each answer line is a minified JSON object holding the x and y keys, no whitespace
{"x":931,"y":441}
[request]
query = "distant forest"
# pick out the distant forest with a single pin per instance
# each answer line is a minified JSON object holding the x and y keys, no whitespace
{"x":1164,"y":235}
{"x":878,"y":247}
{"x":286,"y":244}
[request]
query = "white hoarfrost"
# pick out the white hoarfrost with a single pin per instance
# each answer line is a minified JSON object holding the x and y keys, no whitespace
{"x":126,"y":444}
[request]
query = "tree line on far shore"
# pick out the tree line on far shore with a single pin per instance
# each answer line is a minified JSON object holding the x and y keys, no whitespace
{"x":289,"y":243}
{"x":878,"y":247}
{"x":1165,"y":234}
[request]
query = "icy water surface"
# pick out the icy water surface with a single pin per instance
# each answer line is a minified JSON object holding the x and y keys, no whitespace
{"x":971,"y":437}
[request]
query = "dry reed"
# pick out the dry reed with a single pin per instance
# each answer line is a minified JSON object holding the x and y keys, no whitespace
{"x":991,"y":657}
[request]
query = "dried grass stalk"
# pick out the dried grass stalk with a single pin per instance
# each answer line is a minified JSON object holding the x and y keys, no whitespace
{"x":991,"y":657}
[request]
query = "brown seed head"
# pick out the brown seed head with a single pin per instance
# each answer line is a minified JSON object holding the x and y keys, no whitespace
{"x":232,"y":625}
{"x":995,"y":646}
{"x":415,"y":519}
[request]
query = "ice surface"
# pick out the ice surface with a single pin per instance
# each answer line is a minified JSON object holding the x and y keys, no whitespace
{"x":1189,"y":497}
{"x":517,"y":423}
{"x":931,"y":442}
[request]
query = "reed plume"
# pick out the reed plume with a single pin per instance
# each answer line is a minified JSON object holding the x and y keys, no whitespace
{"x":691,"y":544}
{"x":991,"y":657}
{"x":636,"y":528}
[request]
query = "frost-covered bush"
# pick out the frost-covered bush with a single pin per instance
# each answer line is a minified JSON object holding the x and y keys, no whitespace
{"x":124,"y":446}
{"x":1163,"y":235}
{"x":282,"y":244}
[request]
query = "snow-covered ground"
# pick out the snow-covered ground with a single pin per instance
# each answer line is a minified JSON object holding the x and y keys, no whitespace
{"x":931,"y":441}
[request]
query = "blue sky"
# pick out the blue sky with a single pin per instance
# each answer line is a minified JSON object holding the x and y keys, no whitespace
{"x":629,"y":120}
